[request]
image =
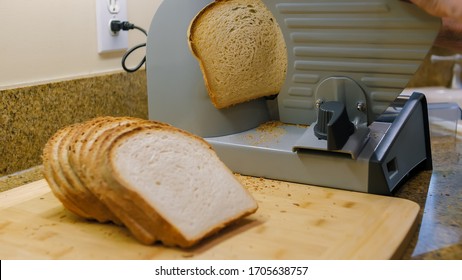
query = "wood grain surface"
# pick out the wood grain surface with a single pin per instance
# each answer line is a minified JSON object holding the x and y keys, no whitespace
{"x":293,"y":222}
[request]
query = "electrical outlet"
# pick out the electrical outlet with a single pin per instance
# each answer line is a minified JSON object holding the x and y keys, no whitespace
{"x":106,"y":11}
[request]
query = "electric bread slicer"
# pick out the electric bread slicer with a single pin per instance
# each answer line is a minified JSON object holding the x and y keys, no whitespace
{"x":339,"y":120}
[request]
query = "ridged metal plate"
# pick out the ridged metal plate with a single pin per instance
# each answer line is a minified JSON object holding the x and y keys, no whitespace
{"x":380,"y":44}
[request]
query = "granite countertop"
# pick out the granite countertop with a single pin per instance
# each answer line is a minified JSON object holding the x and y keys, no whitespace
{"x":438,"y":192}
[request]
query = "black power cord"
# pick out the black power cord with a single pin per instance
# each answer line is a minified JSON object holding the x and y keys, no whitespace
{"x":116,"y":26}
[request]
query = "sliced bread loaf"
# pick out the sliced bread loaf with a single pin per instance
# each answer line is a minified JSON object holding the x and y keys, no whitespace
{"x":240,"y":49}
{"x":162,"y":183}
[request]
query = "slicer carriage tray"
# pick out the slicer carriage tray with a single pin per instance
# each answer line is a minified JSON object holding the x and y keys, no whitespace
{"x":396,"y":145}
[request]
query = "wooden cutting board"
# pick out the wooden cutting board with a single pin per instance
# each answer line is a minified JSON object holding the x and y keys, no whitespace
{"x":293,"y":222}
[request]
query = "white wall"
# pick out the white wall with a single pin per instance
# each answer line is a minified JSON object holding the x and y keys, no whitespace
{"x":49,"y":40}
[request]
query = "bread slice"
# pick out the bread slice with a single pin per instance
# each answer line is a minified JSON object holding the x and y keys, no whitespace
{"x":93,"y":178}
{"x":241,"y":51}
{"x":110,"y":192}
{"x":81,"y":194}
{"x":87,"y":139}
{"x":52,"y":172}
{"x":84,"y":154}
{"x":79,"y":138}
{"x":182,"y":190}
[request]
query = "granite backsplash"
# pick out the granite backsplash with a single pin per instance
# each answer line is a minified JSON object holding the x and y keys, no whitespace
{"x":30,"y":115}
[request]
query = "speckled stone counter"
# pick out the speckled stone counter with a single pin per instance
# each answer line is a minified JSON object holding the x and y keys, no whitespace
{"x":439,"y":194}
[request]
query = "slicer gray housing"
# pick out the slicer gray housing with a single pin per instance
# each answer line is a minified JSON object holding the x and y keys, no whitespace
{"x":358,"y":52}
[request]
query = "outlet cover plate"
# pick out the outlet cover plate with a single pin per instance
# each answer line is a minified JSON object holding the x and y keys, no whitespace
{"x":108,"y":42}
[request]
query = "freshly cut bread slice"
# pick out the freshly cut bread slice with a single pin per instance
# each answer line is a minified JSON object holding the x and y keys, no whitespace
{"x":95,"y":181}
{"x":182,"y":190}
{"x":81,"y":153}
{"x":81,"y":194}
{"x":52,"y":172}
{"x":241,"y":51}
{"x":79,"y":138}
{"x":98,"y":138}
{"x":110,"y":192}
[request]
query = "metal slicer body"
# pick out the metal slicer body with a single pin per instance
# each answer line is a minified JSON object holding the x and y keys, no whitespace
{"x":348,"y":59}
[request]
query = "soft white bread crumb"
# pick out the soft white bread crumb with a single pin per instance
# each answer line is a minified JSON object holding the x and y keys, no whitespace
{"x":241,"y":51}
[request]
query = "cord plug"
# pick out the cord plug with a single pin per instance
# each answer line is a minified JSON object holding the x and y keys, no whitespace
{"x":117,"y":25}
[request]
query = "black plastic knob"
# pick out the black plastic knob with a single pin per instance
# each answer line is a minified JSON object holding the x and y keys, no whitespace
{"x":333,"y":124}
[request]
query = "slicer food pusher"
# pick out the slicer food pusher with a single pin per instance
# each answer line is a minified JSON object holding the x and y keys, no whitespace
{"x":338,"y":121}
